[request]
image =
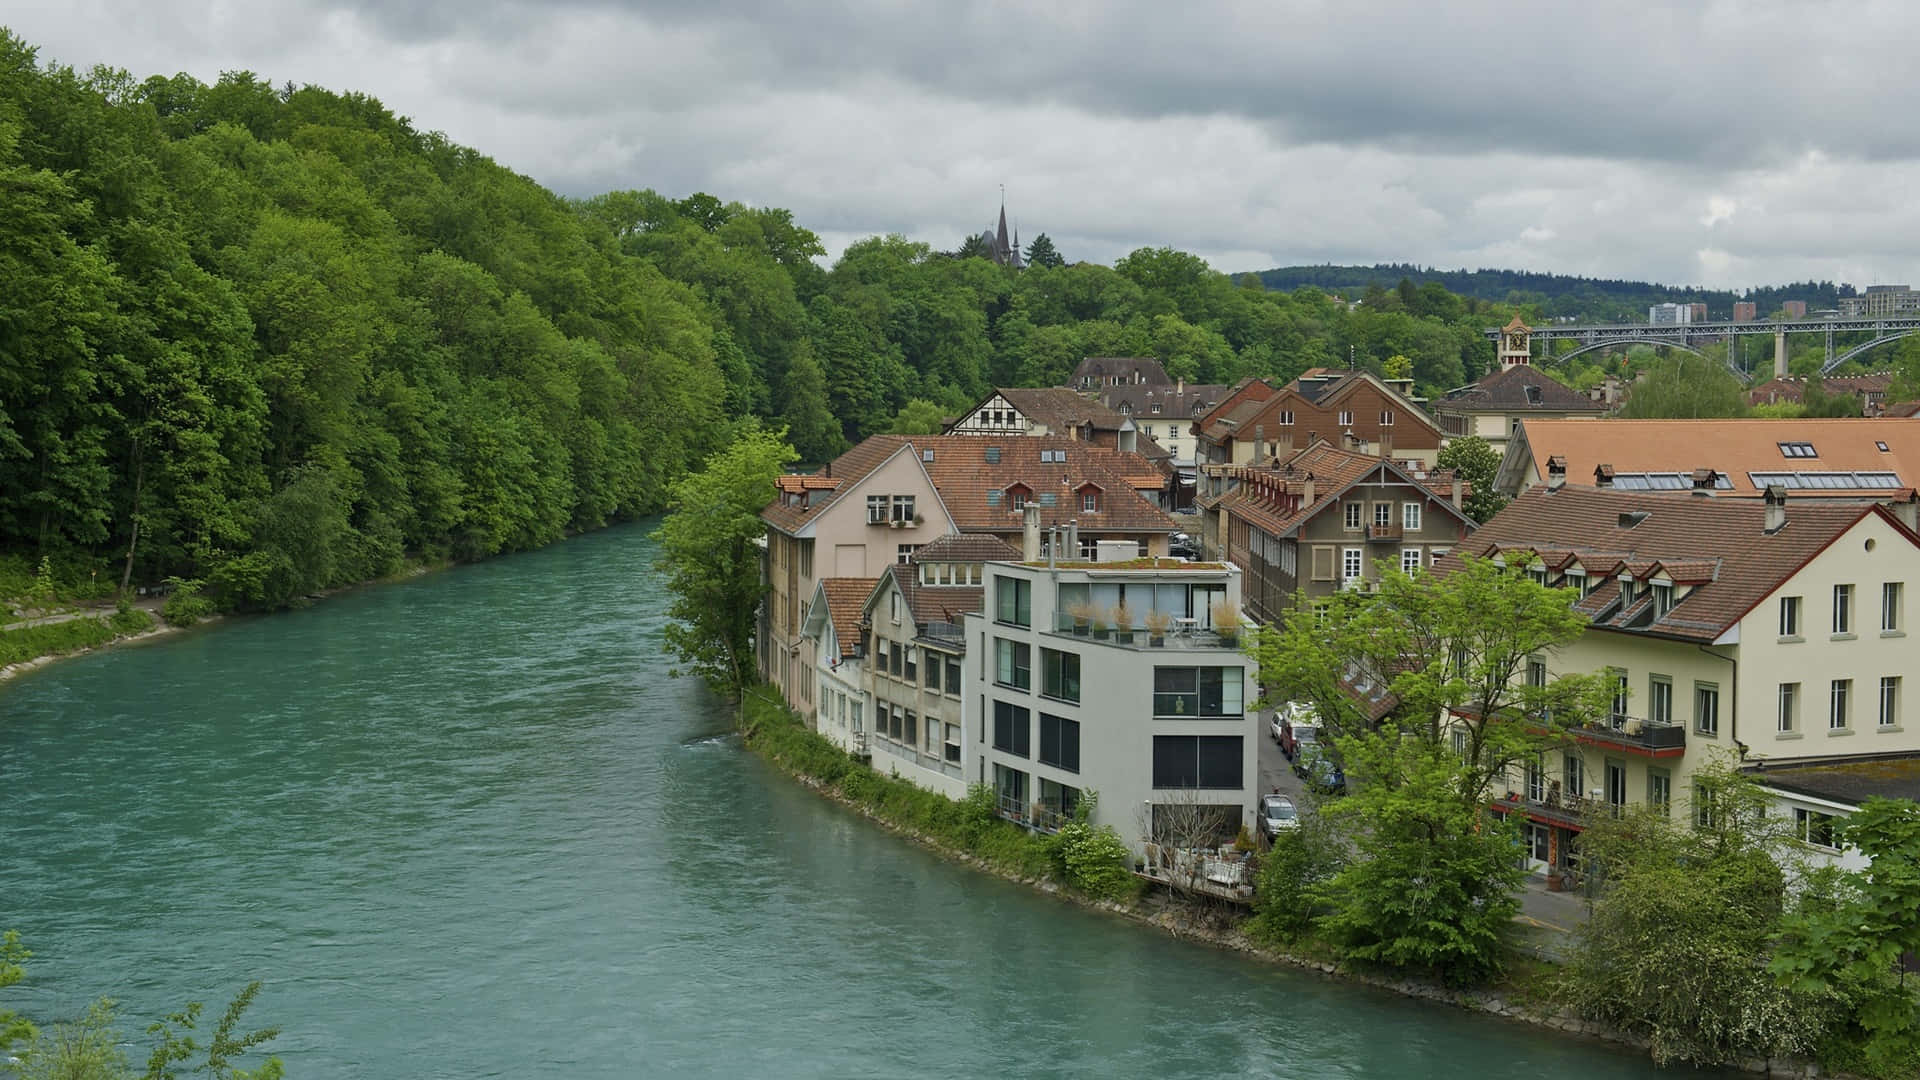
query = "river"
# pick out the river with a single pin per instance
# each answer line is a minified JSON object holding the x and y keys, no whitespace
{"x":468,"y":826}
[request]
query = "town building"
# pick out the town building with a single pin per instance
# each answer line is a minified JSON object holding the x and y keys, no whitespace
{"x":878,"y":503}
{"x":1109,"y":372}
{"x":1870,"y":388}
{"x":1758,"y":632}
{"x":1699,"y":312}
{"x":1166,"y":414}
{"x":832,"y":626}
{"x":1321,"y":520}
{"x":1116,"y":679}
{"x":1003,"y":251}
{"x":1794,"y":309}
{"x":1745,"y":311}
{"x":1351,"y":409}
{"x":1881,"y":300}
{"x":1670,"y":314}
{"x":1829,"y":458}
{"x":1065,"y":412}
{"x":1515,"y":391}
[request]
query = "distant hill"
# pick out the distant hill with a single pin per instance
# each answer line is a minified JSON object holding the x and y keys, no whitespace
{"x":1559,"y":295}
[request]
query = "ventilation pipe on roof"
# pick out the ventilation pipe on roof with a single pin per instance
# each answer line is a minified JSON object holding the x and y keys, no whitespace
{"x":1776,"y":508}
{"x":1459,"y":496}
{"x":1306,"y":492}
{"x":1073,"y":537}
{"x":1030,"y":533}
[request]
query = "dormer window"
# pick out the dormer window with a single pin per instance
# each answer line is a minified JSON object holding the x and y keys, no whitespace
{"x":1286,"y":417}
{"x":1626,"y":592}
{"x":1156,"y":406}
{"x":1662,"y":598}
{"x":1018,"y":496}
{"x":1089,"y":498}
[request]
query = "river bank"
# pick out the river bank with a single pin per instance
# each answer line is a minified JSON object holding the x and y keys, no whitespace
{"x":778,"y":736}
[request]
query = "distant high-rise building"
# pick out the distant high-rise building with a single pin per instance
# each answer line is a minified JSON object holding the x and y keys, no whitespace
{"x":1881,"y":300}
{"x":1670,"y":314}
{"x":1745,"y":311}
{"x":1795,"y":309}
{"x":1699,"y":312}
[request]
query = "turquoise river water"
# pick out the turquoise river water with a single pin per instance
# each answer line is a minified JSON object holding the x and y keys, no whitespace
{"x":469,"y":826}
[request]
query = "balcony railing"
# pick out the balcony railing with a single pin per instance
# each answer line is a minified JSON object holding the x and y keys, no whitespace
{"x":1635,"y":733}
{"x":1559,"y":808}
{"x":1033,"y":815}
{"x":1384,"y":533}
{"x":945,"y":633}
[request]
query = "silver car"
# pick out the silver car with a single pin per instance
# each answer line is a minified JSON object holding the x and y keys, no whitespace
{"x":1277,"y":812}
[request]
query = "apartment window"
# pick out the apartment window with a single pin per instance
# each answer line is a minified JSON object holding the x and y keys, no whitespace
{"x":1616,"y":787}
{"x":1089,"y":502}
{"x":1354,"y":511}
{"x":1703,"y":815}
{"x":893,"y":607}
{"x":1346,"y":418}
{"x":1890,"y":606}
{"x":1197,"y":761}
{"x":1460,"y":744}
{"x":1012,"y":664}
{"x":1706,"y":708}
{"x":1536,"y":780}
{"x":909,"y":727}
{"x":1789,"y":616}
{"x":1060,"y":742}
{"x":876,"y":509}
{"x":1350,"y":564}
{"x":1286,"y":417}
{"x":1410,"y":516}
{"x":1789,"y":706}
{"x":1536,"y":671}
{"x":1660,"y":790}
{"x":1573,"y":778}
{"x":1382,"y":515}
{"x":1011,"y":786}
{"x":1012,"y":729}
{"x":1843,"y":609}
{"x":1060,"y":675}
{"x":953,"y":743}
{"x":1409,"y":560}
{"x":933,"y":672}
{"x":1660,"y":699}
{"x":1889,"y":701}
{"x":1013,"y":601}
{"x":903,"y":508}
{"x":1813,"y":827}
{"x":904,"y":553}
{"x":1837,"y":704}
{"x":1198,"y":691}
{"x":1797,"y":450}
{"x":1386,"y":417}
{"x":910,"y":670}
{"x":1018,"y":497}
{"x":806,"y":559}
{"x":953,"y":677}
{"x":1620,"y":694}
{"x":1662,"y":599}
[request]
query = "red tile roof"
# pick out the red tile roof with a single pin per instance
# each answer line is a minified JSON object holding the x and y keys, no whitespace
{"x":846,"y":471}
{"x":846,"y":598}
{"x":1271,"y":496}
{"x":1733,"y":448}
{"x":966,"y":548}
{"x":1517,"y":388}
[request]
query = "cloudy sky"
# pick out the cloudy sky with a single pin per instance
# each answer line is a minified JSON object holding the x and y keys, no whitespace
{"x":1724,"y":144}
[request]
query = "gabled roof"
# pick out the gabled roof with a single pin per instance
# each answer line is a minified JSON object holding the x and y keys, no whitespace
{"x":973,"y":472}
{"x":1323,"y":388}
{"x":846,"y":598}
{"x":931,"y":603}
{"x":1176,"y":403}
{"x":844,"y":473}
{"x":1735,"y":449}
{"x":1517,"y":388}
{"x":1272,"y":497}
{"x":1224,"y":418}
{"x":1059,"y":408}
{"x":966,"y":548}
{"x":1723,"y":541}
{"x":1135,"y":370}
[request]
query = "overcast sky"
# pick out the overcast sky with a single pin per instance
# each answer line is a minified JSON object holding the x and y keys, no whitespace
{"x":1723,"y":144}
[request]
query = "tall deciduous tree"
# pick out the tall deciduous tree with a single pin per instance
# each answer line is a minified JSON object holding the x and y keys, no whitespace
{"x":1685,"y":387}
{"x":1473,"y":459}
{"x":711,"y":563}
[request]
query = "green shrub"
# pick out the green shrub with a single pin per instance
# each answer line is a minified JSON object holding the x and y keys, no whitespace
{"x":1097,"y":861}
{"x":1293,"y":875}
{"x":130,"y":621}
{"x":185,"y":604}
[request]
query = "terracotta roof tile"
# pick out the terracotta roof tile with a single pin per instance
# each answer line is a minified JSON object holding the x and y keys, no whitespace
{"x":966,"y":548}
{"x":975,"y":476}
{"x":1061,"y":408}
{"x":846,"y":471}
{"x":1269,"y":496}
{"x":846,"y":599}
{"x":1519,"y":387}
{"x":1733,"y":448}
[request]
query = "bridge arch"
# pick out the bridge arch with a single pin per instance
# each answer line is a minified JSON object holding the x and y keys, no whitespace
{"x":1894,"y":335}
{"x":1639,"y":340}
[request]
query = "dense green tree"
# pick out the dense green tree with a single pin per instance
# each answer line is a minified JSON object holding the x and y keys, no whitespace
{"x":810,"y":421}
{"x":918,"y":417}
{"x":1473,"y":459}
{"x":1685,"y":387}
{"x":1040,"y":252}
{"x":711,"y":563}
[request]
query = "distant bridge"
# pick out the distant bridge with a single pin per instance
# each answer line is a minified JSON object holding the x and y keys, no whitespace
{"x":1689,"y":336}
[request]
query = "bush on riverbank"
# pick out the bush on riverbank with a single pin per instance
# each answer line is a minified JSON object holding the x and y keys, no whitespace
{"x":1090,"y":859}
{"x":72,"y":635}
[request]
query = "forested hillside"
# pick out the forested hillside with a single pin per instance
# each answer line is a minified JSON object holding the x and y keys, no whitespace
{"x":1554,"y":295}
{"x":279,"y":339}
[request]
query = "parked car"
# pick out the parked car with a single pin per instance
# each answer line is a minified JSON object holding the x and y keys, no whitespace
{"x":1277,"y":726}
{"x":1277,"y":812}
{"x":1298,"y":724}
{"x":1318,"y":767}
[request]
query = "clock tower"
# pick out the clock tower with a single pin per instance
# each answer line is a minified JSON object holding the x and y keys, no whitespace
{"x":1516,"y":344}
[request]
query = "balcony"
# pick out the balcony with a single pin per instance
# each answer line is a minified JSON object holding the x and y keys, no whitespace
{"x":945,"y":633}
{"x":1037,"y":816}
{"x":1555,"y":808}
{"x":1384,"y":534}
{"x":1654,"y":738}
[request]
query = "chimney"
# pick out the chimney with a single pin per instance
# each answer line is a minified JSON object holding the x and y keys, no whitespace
{"x":1556,"y":473}
{"x":1459,"y":495}
{"x":1603,"y":476}
{"x":1704,"y":481}
{"x":1306,"y":492}
{"x":1180,"y":386}
{"x":1030,"y":533}
{"x":1776,"y":508}
{"x":1259,"y":441}
{"x":1073,"y":539}
{"x":1386,"y":442}
{"x":1908,"y":511}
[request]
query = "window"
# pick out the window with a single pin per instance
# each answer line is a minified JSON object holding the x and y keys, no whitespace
{"x":1789,"y":616}
{"x":909,"y":727}
{"x":1198,"y":691}
{"x":876,"y":509}
{"x":806,"y":559}
{"x":1011,"y":786}
{"x":933,"y":671}
{"x":893,"y":607}
{"x":904,"y":553}
{"x":1706,"y":708}
{"x":1536,"y":671}
{"x":1573,"y":777}
{"x":1410,"y":516}
{"x":1354,"y":510}
{"x":1889,"y":701}
{"x":1197,"y":761}
{"x":953,"y":743}
{"x":1620,"y":694}
{"x":1703,"y":806}
{"x":1536,"y":780}
{"x":1662,"y":598}
{"x":1286,"y":417}
{"x":1843,"y":609}
{"x":1346,"y":418}
{"x":910,"y":668}
{"x":1013,"y":601}
{"x":1060,"y":675}
{"x":953,"y":677}
{"x":1350,"y":564}
{"x":1789,"y":706}
{"x":1660,"y":699}
{"x":1837,"y":712}
{"x":1382,"y":515}
{"x":1660,"y":790}
{"x":1386,"y":417}
{"x":1089,"y":502}
{"x":1012,"y":729}
{"x":1813,"y":827}
{"x":1616,"y":787}
{"x":1797,"y":450}
{"x":1890,"y":607}
{"x":1409,"y":560}
{"x":1060,"y":742}
{"x":1434,"y":555}
{"x":1012,"y":664}
{"x":903,"y":508}
{"x":1018,"y":497}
